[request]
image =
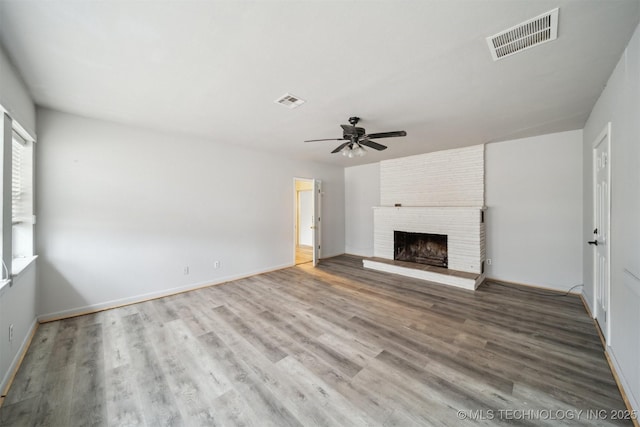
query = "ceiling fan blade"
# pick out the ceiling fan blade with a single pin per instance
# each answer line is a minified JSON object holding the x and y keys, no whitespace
{"x":329,"y":139}
{"x":341,"y":146}
{"x":387,"y":134}
{"x":373,"y":145}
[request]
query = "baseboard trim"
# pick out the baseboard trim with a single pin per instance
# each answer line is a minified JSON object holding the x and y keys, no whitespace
{"x":5,"y":385}
{"x":629,"y":401}
{"x":587,"y":307}
{"x":108,"y":305}
{"x":332,"y":256}
{"x":543,"y":288}
{"x":366,"y":253}
{"x":622,"y":384}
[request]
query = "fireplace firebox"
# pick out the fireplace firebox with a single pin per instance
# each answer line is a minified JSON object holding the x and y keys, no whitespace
{"x":423,"y":248}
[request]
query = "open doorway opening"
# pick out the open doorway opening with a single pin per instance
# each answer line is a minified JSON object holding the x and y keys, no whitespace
{"x":307,"y":220}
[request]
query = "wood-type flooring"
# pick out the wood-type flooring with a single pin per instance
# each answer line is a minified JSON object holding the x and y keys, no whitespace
{"x":304,"y":254}
{"x":332,"y":346}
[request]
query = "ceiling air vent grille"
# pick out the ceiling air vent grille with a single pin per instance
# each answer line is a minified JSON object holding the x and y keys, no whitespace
{"x":533,"y":32}
{"x":289,"y":101}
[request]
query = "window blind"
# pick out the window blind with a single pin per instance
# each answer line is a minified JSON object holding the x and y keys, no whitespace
{"x":16,"y":178}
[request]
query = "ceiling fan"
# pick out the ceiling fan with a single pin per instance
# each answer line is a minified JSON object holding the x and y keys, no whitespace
{"x":356,"y":137}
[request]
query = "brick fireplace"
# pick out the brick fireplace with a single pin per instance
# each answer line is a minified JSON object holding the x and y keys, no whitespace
{"x":440,"y":195}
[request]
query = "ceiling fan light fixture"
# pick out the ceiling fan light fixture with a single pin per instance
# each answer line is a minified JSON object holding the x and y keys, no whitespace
{"x":351,"y":154}
{"x":346,"y":150}
{"x":359,"y":151}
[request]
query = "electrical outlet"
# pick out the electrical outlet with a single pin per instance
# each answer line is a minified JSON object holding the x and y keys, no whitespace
{"x":11,"y":332}
{"x":489,"y":261}
{"x":186,"y":270}
{"x":216,"y":264}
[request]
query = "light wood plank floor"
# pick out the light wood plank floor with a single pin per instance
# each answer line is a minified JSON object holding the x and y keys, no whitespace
{"x":304,"y":254}
{"x":331,"y":346}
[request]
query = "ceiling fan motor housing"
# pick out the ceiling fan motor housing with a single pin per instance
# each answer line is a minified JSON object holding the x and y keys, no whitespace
{"x":358,"y":132}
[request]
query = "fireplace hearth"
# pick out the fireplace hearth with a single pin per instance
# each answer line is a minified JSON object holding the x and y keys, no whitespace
{"x":422,"y":248}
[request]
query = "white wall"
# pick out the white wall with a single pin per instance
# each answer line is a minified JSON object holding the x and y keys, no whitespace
{"x":122,"y":211}
{"x":14,"y":97}
{"x":362,"y":193}
{"x":534,"y":215}
{"x":17,"y":307}
{"x":619,"y":104}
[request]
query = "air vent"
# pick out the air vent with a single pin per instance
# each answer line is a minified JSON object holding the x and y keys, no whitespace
{"x":533,"y":32}
{"x":289,"y":101}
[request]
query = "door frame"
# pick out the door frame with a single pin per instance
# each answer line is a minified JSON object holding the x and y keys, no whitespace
{"x":317,"y":230}
{"x":316,"y":187}
{"x":605,"y":134}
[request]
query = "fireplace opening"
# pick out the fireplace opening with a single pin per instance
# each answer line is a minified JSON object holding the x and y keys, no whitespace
{"x":423,"y":248}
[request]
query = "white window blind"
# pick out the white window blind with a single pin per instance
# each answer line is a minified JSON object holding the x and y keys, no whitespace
{"x":17,"y":162}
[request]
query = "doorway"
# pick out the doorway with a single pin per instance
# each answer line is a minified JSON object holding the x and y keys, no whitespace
{"x":601,"y":228}
{"x":307,"y":221}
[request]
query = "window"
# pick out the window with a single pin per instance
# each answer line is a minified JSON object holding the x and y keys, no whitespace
{"x":16,"y":198}
{"x":21,"y":199}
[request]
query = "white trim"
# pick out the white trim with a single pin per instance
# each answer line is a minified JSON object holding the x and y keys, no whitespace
{"x":295,"y":214}
{"x":540,"y":287}
{"x":18,"y":265}
{"x":295,"y":219}
{"x":605,"y":133}
{"x":586,"y":299}
{"x":18,"y":356}
{"x":152,"y":295}
{"x":635,"y":405}
{"x":317,"y":217}
{"x":17,"y":127}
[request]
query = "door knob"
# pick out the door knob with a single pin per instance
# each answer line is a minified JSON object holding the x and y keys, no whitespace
{"x":593,"y":242}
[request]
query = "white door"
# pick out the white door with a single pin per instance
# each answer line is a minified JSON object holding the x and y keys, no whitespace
{"x":317,"y":217}
{"x":601,"y":228}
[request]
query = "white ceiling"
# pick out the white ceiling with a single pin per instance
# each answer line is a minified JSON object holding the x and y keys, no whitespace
{"x":214,"y":68}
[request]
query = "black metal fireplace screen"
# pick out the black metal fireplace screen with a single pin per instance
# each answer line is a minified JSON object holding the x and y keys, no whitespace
{"x":423,"y":248}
